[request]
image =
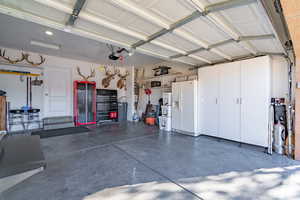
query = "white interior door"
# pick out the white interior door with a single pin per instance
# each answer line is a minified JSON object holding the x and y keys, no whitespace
{"x":229,"y":124}
{"x":208,"y":97}
{"x":176,"y":117}
{"x":57,"y":92}
{"x":255,"y":94}
{"x":187,"y":109}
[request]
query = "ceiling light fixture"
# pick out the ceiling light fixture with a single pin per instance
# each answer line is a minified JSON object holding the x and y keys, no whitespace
{"x":45,"y":45}
{"x":49,"y":33}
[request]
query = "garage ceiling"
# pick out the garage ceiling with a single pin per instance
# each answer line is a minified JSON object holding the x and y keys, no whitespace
{"x":195,"y":32}
{"x":16,"y":33}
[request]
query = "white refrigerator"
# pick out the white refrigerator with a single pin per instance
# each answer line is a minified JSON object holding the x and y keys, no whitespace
{"x":184,"y":107}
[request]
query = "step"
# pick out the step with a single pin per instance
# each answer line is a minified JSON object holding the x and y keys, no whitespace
{"x":22,"y":157}
{"x":58,"y":122}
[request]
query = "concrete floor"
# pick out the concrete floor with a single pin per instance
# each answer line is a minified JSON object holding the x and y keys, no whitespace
{"x":134,"y":161}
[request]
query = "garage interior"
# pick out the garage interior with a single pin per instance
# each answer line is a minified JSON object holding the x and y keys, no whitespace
{"x":131,"y":99}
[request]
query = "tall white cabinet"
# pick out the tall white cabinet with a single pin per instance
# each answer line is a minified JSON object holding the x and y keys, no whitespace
{"x":208,"y":97}
{"x":255,"y":100}
{"x":184,"y":107}
{"x":234,"y":100}
{"x":229,"y":94}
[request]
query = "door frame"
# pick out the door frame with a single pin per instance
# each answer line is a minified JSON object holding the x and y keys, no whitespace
{"x":69,"y":96}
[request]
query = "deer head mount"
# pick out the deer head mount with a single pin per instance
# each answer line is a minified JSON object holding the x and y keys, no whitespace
{"x":109,"y":76}
{"x":86,"y":78}
{"x":11,"y":61}
{"x":26,"y":57}
{"x":122,"y":81}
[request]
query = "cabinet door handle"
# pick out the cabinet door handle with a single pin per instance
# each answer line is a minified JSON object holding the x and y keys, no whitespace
{"x":216,"y":100}
{"x":237,"y":100}
{"x":240,"y":100}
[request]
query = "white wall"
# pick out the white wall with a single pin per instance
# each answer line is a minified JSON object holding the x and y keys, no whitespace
{"x":279,"y":77}
{"x":16,"y":90}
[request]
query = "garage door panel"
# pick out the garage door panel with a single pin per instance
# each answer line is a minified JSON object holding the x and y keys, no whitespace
{"x":209,"y":56}
{"x":167,"y":9}
{"x":205,"y":30}
{"x":37,"y":9}
{"x":247,"y":20}
{"x":105,"y":32}
{"x":233,"y":50}
{"x":174,"y":40}
{"x":158,"y":50}
{"x":189,"y":60}
{"x":270,"y":45}
{"x":103,"y":9}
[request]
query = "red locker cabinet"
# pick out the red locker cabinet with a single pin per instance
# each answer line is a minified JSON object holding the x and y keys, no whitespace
{"x":84,"y":102}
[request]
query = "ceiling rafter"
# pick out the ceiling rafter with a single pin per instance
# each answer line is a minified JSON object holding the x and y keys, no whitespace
{"x":76,"y":10}
{"x":213,"y":46}
{"x":243,"y":57}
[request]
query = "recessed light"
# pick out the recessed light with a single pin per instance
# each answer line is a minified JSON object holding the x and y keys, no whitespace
{"x":45,"y":45}
{"x":48,"y":32}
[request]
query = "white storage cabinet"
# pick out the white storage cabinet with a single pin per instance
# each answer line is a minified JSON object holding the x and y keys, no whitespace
{"x":234,"y":100}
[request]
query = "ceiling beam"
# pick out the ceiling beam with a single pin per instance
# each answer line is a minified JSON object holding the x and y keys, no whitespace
{"x":76,"y":10}
{"x":213,"y":46}
{"x":244,"y":57}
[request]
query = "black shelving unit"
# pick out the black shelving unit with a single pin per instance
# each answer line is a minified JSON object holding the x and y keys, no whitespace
{"x":107,"y":102}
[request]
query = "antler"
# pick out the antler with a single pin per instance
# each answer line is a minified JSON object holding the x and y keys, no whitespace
{"x":2,"y":55}
{"x":116,"y":71}
{"x":26,"y":56}
{"x":93,"y":73}
{"x":86,"y":78}
{"x":124,"y":76}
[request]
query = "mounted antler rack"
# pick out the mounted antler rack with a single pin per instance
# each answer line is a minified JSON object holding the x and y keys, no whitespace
{"x":86,"y":78}
{"x":122,"y":81}
{"x":31,"y":62}
{"x":24,"y":56}
{"x":109,"y":76}
{"x":2,"y":55}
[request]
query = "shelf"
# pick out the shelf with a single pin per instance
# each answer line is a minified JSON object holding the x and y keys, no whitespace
{"x":19,"y":73}
{"x":161,"y":76}
{"x":21,"y":65}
